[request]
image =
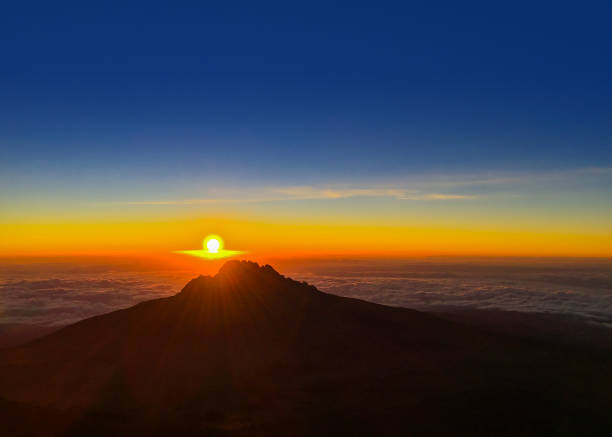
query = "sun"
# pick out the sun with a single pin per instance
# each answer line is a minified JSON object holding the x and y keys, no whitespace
{"x":213,"y":245}
{"x":212,"y":249}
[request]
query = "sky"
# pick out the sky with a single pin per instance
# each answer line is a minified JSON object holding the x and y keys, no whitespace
{"x":383,"y":128}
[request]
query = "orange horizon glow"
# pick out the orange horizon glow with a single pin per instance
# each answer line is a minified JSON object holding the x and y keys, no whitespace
{"x":264,"y":239}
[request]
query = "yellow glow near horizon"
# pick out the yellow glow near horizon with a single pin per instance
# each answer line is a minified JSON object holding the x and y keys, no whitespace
{"x":296,"y":239}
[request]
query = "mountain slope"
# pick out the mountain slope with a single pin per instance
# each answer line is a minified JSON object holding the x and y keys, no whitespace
{"x":249,"y":351}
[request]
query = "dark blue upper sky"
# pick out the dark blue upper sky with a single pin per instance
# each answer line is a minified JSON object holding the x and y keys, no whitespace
{"x":300,"y":93}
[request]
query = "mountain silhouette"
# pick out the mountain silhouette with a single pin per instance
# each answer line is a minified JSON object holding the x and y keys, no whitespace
{"x":251,"y":352}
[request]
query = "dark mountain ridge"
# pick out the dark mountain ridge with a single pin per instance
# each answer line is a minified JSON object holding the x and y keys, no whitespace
{"x":249,"y":351}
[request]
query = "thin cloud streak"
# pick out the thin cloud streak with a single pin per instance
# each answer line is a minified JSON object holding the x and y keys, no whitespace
{"x":305,"y":193}
{"x":433,"y":188}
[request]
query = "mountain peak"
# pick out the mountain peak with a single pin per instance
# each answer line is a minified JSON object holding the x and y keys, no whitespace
{"x":245,"y":276}
{"x":250,"y":268}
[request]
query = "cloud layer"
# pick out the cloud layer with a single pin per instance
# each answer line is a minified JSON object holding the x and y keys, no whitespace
{"x":61,"y":294}
{"x":54,"y":301}
{"x":580,"y":290}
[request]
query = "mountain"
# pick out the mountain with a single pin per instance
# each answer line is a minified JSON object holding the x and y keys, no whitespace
{"x":13,"y":334}
{"x":251,"y":352}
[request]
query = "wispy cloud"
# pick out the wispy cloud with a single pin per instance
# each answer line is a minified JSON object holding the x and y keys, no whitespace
{"x":295,"y":193}
{"x":313,"y":192}
{"x":445,"y":187}
{"x":182,"y":201}
{"x":438,"y":196}
{"x":307,"y":193}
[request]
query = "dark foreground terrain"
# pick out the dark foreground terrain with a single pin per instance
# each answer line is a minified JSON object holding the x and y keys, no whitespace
{"x":249,"y":352}
{"x":14,"y":334}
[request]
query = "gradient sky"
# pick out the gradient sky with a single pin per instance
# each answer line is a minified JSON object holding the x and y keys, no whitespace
{"x":417,"y":127}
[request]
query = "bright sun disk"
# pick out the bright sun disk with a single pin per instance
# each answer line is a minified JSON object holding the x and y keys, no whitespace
{"x":212,"y":248}
{"x":213,"y":245}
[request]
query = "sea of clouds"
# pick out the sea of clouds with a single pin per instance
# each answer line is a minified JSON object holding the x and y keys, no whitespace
{"x":579,"y":289}
{"x":57,"y":294}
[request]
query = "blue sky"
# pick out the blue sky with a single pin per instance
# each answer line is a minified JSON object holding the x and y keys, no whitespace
{"x":138,"y":102}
